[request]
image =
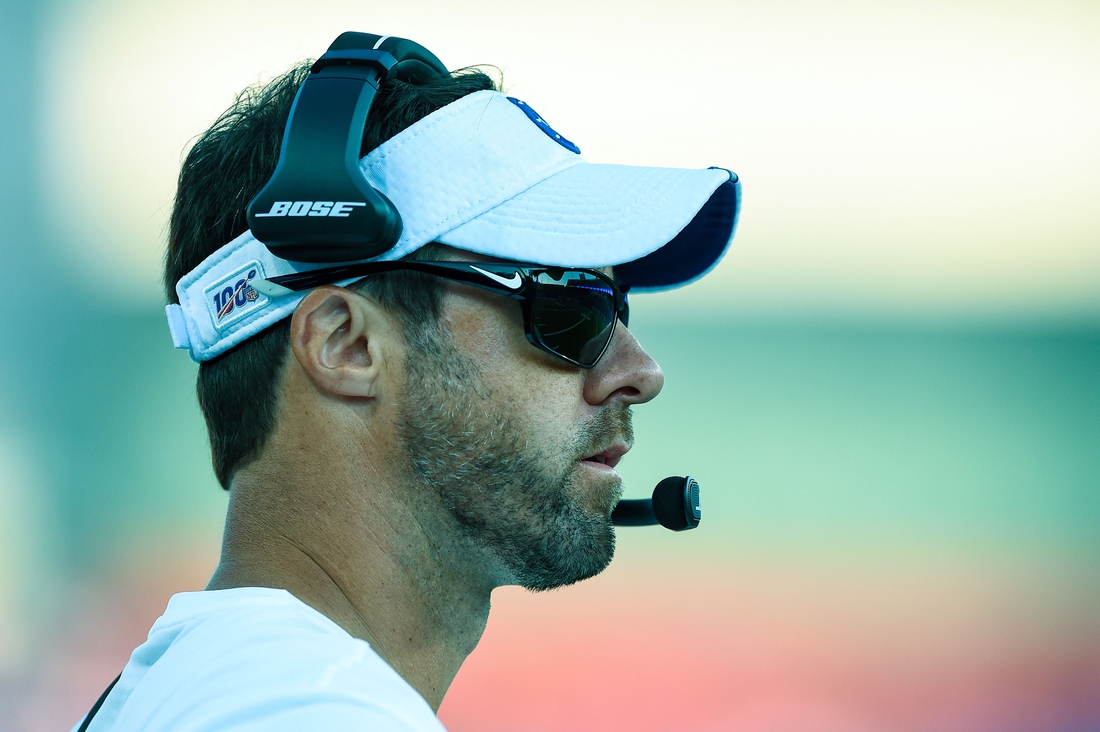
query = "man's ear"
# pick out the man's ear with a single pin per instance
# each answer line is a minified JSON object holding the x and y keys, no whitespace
{"x":342,"y":340}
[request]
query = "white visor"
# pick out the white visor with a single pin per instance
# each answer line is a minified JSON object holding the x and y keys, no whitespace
{"x":486,"y":174}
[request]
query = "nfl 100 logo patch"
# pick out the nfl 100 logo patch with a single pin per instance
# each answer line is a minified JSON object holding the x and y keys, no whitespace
{"x":233,"y":297}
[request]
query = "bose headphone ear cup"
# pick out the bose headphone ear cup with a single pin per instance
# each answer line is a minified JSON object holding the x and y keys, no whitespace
{"x":319,"y":159}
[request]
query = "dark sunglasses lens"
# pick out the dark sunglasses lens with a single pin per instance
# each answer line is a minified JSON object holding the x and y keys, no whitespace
{"x":574,"y":315}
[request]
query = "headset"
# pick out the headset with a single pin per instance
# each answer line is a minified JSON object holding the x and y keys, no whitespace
{"x":319,"y":160}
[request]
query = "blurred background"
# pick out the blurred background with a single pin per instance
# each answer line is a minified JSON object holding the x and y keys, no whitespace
{"x":889,"y":390}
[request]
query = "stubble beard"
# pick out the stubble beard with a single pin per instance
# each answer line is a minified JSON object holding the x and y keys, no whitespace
{"x":522,"y":502}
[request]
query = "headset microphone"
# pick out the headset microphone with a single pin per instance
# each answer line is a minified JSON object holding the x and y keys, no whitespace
{"x":675,"y":505}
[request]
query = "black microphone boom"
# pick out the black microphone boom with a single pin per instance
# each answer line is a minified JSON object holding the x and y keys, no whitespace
{"x":675,"y":505}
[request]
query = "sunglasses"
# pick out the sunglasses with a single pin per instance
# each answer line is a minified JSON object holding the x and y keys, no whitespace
{"x":568,"y":312}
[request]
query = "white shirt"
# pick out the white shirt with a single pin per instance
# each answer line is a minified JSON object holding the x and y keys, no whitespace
{"x":254,"y":658}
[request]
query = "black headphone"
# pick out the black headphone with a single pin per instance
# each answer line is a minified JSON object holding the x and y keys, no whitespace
{"x":317,"y":207}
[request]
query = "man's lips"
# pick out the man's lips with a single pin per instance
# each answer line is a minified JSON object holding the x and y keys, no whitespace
{"x":610,"y":456}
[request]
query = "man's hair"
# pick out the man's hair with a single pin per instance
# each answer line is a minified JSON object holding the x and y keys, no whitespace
{"x":223,"y":171}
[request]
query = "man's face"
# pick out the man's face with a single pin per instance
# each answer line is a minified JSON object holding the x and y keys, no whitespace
{"x":515,"y":442}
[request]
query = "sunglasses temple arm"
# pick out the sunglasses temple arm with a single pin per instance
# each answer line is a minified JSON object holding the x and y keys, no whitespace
{"x":291,"y":283}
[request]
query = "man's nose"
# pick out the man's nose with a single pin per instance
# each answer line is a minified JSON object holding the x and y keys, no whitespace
{"x":625,"y":372}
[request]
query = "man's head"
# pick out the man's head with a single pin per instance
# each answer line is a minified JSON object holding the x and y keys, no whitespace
{"x":474,"y":430}
{"x":450,"y":394}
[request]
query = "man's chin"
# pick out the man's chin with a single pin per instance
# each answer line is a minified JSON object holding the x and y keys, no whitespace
{"x":585,"y":554}
{"x":587,"y":545}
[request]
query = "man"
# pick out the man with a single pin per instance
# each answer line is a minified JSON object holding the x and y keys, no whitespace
{"x":400,"y":437}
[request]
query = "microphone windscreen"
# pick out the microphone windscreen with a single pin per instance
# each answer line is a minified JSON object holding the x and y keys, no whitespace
{"x":668,"y":503}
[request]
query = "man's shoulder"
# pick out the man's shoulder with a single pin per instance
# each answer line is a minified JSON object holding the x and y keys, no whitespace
{"x":257,"y":658}
{"x":255,"y":629}
{"x":271,"y":624}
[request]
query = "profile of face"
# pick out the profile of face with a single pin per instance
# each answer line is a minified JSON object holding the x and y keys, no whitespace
{"x":513,"y":488}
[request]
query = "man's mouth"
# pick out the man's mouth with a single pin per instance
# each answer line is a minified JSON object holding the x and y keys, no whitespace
{"x":610,"y":456}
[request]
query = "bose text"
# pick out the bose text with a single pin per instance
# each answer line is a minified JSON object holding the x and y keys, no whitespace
{"x":341,"y":209}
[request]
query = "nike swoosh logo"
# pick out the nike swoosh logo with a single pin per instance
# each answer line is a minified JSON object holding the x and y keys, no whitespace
{"x":512,"y":283}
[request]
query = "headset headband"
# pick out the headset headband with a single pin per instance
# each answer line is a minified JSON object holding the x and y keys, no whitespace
{"x":317,"y":207}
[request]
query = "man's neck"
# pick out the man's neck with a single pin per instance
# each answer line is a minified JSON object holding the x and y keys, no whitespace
{"x":378,"y":570}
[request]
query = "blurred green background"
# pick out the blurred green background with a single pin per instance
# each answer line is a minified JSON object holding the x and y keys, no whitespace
{"x":890,"y":389}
